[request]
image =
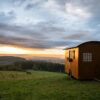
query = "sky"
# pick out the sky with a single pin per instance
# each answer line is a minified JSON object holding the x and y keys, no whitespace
{"x":46,"y":27}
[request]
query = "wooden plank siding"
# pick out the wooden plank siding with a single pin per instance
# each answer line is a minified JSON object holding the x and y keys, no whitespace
{"x":81,"y":69}
{"x":73,"y":66}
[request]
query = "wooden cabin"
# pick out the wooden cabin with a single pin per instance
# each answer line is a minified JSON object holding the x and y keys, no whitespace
{"x":83,"y":61}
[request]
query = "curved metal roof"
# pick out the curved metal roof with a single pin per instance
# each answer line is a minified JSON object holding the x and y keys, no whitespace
{"x":88,"y":42}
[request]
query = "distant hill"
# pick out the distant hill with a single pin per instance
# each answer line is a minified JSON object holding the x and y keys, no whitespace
{"x":48,"y":59}
{"x":10,"y":59}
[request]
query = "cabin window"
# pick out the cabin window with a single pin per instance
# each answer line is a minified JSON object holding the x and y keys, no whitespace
{"x":72,"y":54}
{"x":87,"y":57}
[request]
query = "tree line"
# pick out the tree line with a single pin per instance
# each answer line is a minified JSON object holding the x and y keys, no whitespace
{"x":33,"y":65}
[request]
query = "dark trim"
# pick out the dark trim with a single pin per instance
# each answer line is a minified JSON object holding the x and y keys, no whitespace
{"x":89,"y":42}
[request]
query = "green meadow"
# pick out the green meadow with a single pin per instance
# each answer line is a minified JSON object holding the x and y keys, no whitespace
{"x":41,"y":85}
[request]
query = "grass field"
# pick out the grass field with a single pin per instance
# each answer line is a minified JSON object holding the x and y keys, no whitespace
{"x":45,"y":86}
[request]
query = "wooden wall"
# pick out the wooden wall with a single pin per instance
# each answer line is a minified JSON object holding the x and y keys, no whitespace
{"x":89,"y":70}
{"x":72,"y":65}
{"x":84,"y":69}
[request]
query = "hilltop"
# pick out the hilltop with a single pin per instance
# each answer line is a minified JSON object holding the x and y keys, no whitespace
{"x":10,"y":59}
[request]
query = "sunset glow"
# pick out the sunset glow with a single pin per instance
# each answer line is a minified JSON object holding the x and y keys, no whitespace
{"x":12,"y":50}
{"x":29,"y":52}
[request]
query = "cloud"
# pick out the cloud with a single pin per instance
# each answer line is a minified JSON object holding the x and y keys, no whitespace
{"x":78,"y":35}
{"x":30,"y":5}
{"x":15,"y":35}
{"x":6,"y":17}
{"x":48,"y":23}
{"x":76,"y":11}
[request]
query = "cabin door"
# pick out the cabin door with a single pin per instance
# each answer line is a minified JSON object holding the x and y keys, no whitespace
{"x":69,"y":61}
{"x":69,"y":66}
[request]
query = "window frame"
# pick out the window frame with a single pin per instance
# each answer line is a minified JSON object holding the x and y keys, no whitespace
{"x":72,"y":54}
{"x":87,"y":57}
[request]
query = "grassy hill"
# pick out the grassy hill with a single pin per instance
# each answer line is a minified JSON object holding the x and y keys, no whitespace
{"x":10,"y":59}
{"x":39,"y":85}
